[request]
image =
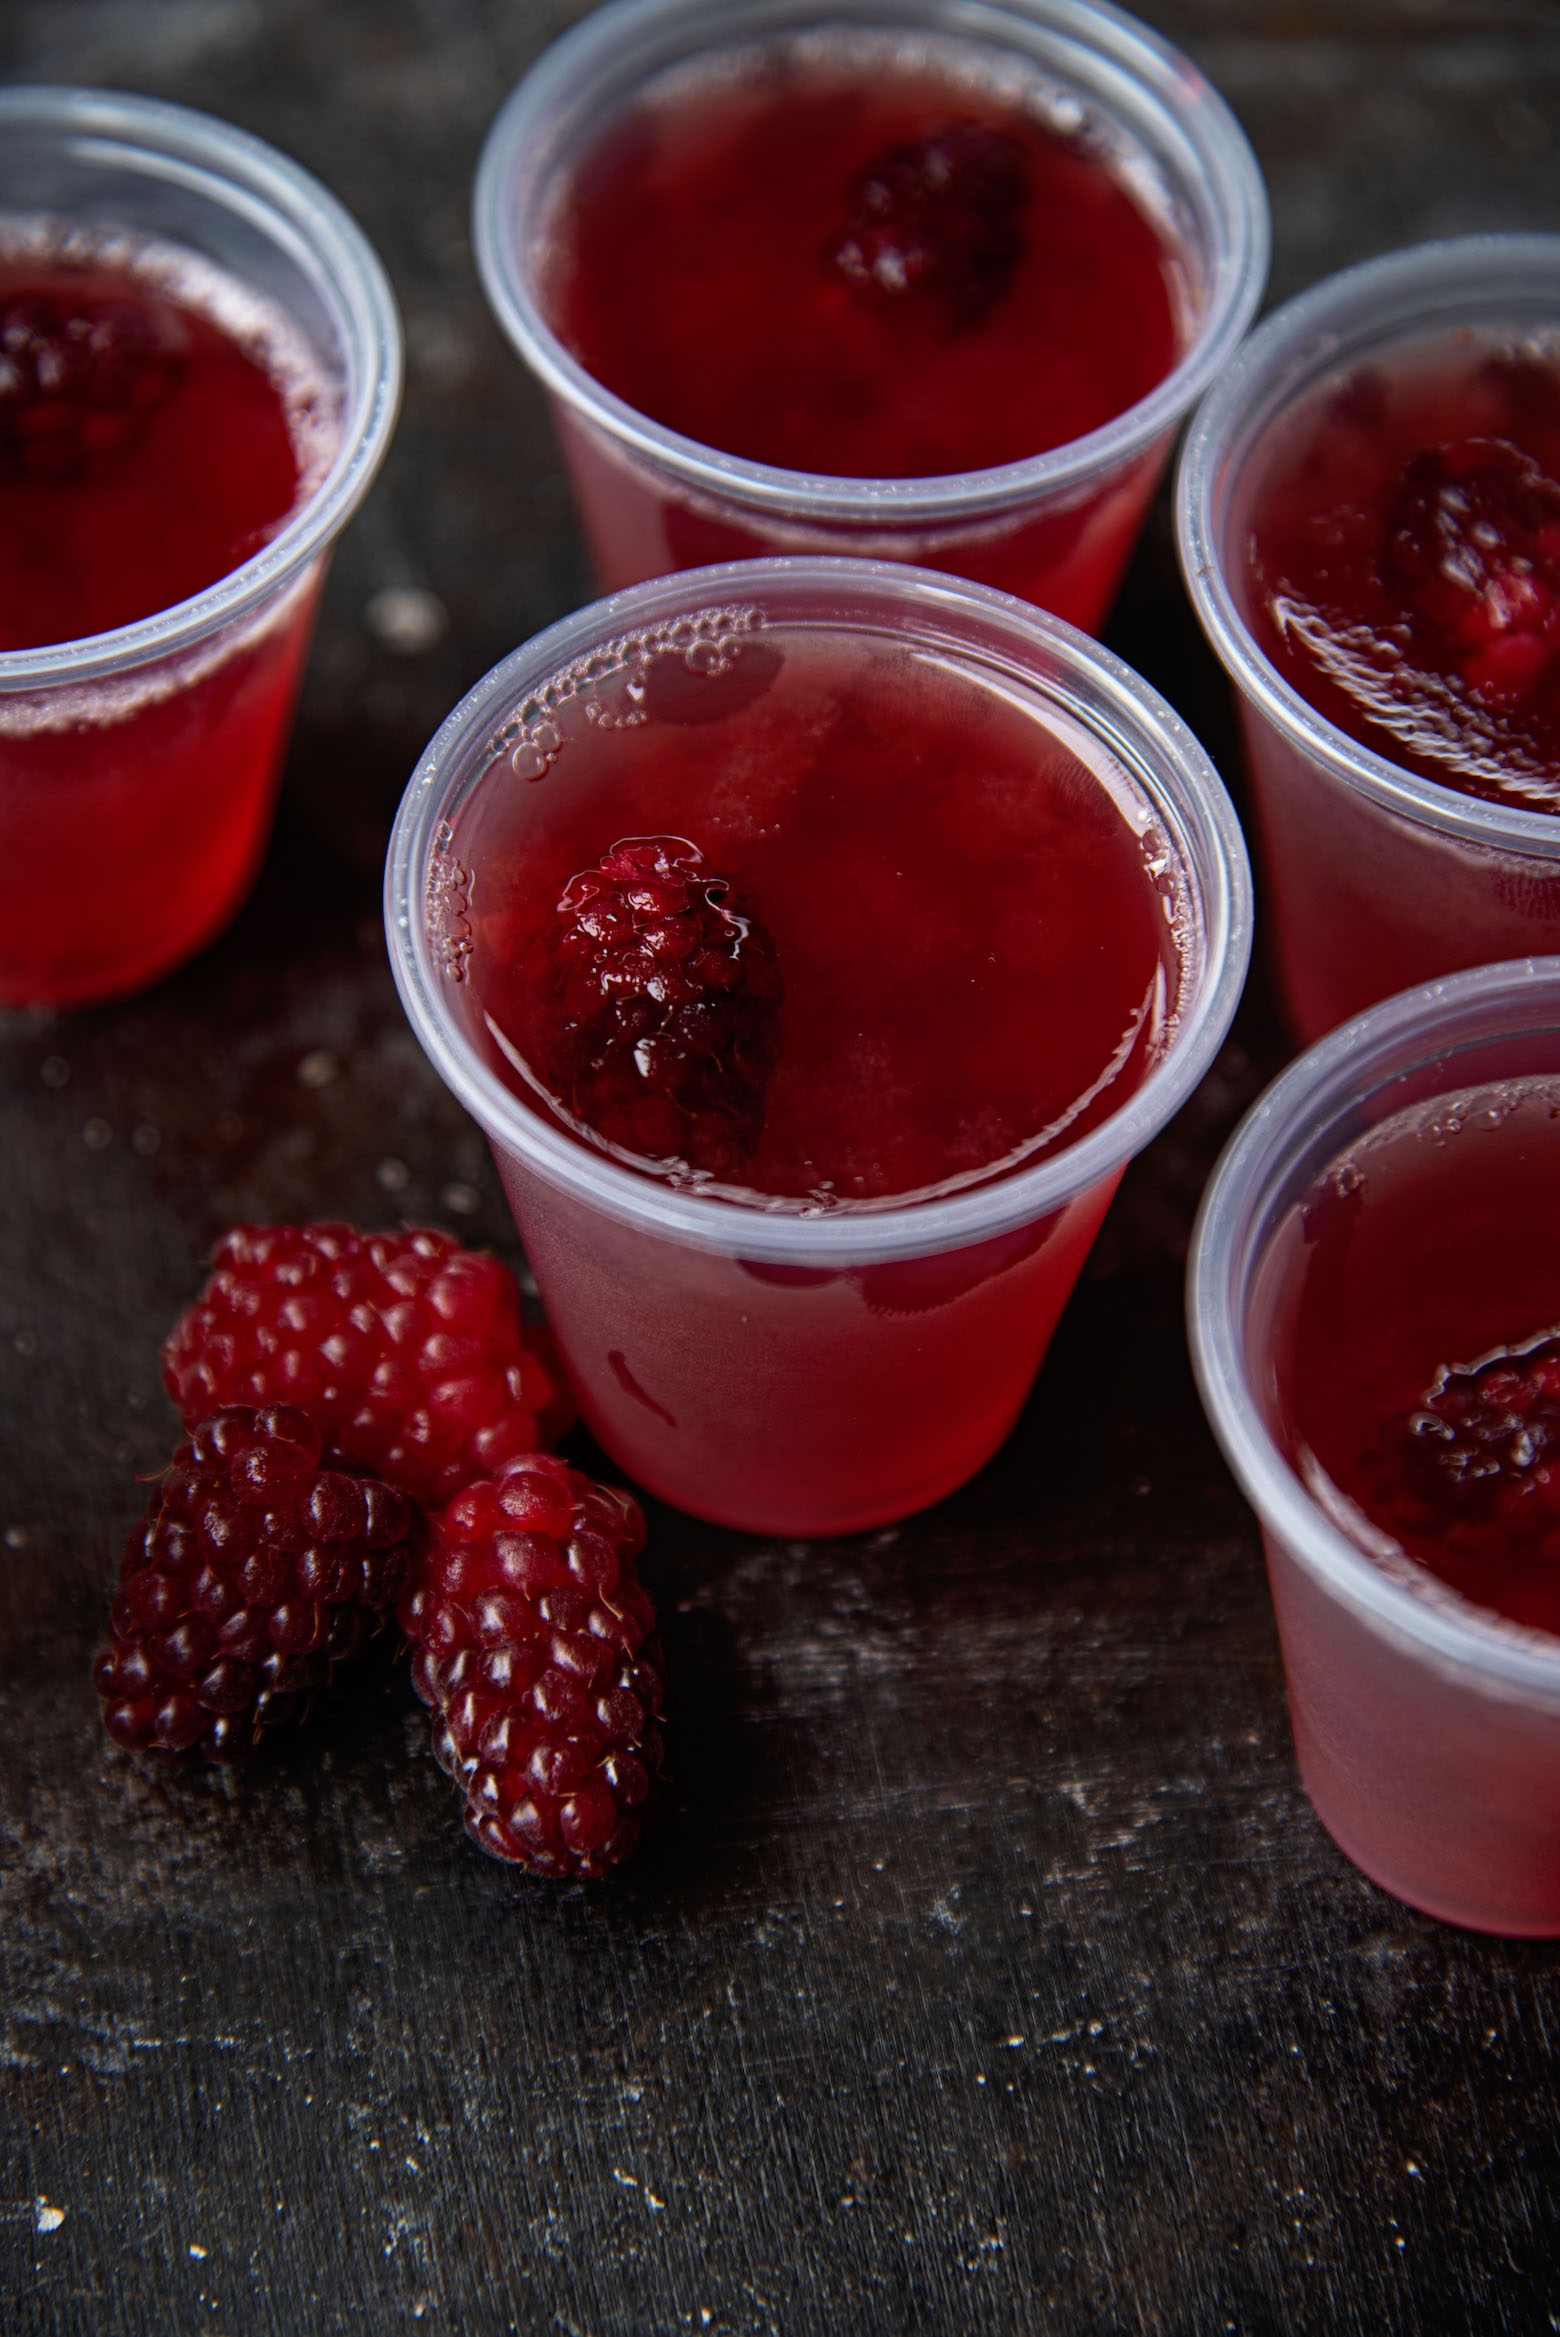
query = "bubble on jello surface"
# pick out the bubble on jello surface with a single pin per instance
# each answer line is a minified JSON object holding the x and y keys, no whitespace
{"x":446,"y":903}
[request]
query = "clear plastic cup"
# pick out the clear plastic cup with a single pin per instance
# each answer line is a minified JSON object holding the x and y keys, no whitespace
{"x":139,"y":767}
{"x":779,"y":1371}
{"x":1057,"y":528}
{"x":1376,"y":878}
{"x":1427,"y":1729}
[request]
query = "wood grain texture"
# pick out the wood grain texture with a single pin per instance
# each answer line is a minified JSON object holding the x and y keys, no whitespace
{"x":989,"y":1972}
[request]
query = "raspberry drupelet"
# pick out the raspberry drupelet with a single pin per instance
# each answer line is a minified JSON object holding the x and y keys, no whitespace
{"x":407,"y":1348}
{"x":535,"y":1645}
{"x":254,"y":1572}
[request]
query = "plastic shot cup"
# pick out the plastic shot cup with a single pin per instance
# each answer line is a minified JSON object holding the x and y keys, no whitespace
{"x":139,"y":767}
{"x":1056,"y":528}
{"x":1375,"y":877}
{"x":1427,"y":1729}
{"x":785,"y":1368}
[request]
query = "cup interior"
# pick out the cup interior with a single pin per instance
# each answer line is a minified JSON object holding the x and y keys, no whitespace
{"x":1467,"y":1030}
{"x":1388,"y":304}
{"x":1197,"y":172}
{"x":1009,"y":639}
{"x":161,"y":171}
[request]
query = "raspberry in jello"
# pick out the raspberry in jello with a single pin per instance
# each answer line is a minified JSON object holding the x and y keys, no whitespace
{"x":1403,"y":560}
{"x":960,"y":941}
{"x":156,"y":425}
{"x":660,"y":1005}
{"x":1415,"y":1299}
{"x":869,"y":257}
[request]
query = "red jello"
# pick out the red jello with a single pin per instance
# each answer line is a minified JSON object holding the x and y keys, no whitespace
{"x":159,"y":423}
{"x":1403,"y":562}
{"x":144,"y":452}
{"x":975,"y":958}
{"x":1416,"y":1339}
{"x":872,"y":273}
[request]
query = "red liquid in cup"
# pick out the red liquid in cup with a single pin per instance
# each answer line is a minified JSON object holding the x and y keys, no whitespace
{"x":876,"y":269}
{"x":1402,"y":572}
{"x":1417,"y":1333}
{"x":981,"y":939}
{"x":1409,"y":1308}
{"x":158,"y":424}
{"x":1404,"y":565}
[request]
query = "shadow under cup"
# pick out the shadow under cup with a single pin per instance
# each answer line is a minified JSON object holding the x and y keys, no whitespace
{"x":773,"y":1370}
{"x":139,"y":767}
{"x":1427,"y":1729}
{"x":1058,"y":527}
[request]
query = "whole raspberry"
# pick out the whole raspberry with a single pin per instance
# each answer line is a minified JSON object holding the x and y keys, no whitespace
{"x":253,"y":1573}
{"x":1482,"y":1445}
{"x":660,"y":1003}
{"x":535,"y":1645}
{"x":79,"y":377}
{"x":935,"y":230}
{"x":1472,"y":552}
{"x":406,"y":1348}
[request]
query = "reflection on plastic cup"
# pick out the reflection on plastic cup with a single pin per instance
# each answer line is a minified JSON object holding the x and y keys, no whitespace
{"x":784,"y":1366}
{"x":139,"y":765}
{"x":1427,"y":1727}
{"x":1377,"y":877}
{"x":1056,"y":527}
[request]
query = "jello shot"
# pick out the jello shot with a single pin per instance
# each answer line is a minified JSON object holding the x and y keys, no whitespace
{"x":920,"y":282}
{"x":815,"y":942}
{"x":199,"y":370}
{"x":1369,"y":522}
{"x":1374,"y":1306}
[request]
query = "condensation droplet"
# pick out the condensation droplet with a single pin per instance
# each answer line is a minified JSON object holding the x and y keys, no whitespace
{"x":96,"y":1135}
{"x":26,"y":1342}
{"x":318,"y":1068}
{"x":463,"y":1200}
{"x":54,"y":1071}
{"x":392,"y":1176}
{"x":145,"y":1140}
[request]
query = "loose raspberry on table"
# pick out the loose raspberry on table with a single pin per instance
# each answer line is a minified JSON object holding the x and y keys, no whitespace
{"x":535,"y":1645}
{"x":253,"y":1574}
{"x":407,"y":1348}
{"x":660,"y":1008}
{"x":80,"y":374}
{"x":1472,"y":551}
{"x":935,"y":230}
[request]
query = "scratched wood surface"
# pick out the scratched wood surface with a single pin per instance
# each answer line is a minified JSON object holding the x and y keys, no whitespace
{"x":989,"y":1972}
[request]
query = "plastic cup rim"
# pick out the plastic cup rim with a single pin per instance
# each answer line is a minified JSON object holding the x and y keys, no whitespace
{"x":1293,"y":344}
{"x":232,"y":165}
{"x":921,"y":1228}
{"x":1356,"y":1060}
{"x":1199,"y":113}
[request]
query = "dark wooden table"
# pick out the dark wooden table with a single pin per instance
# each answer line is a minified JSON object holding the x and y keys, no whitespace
{"x":989,"y":1971}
